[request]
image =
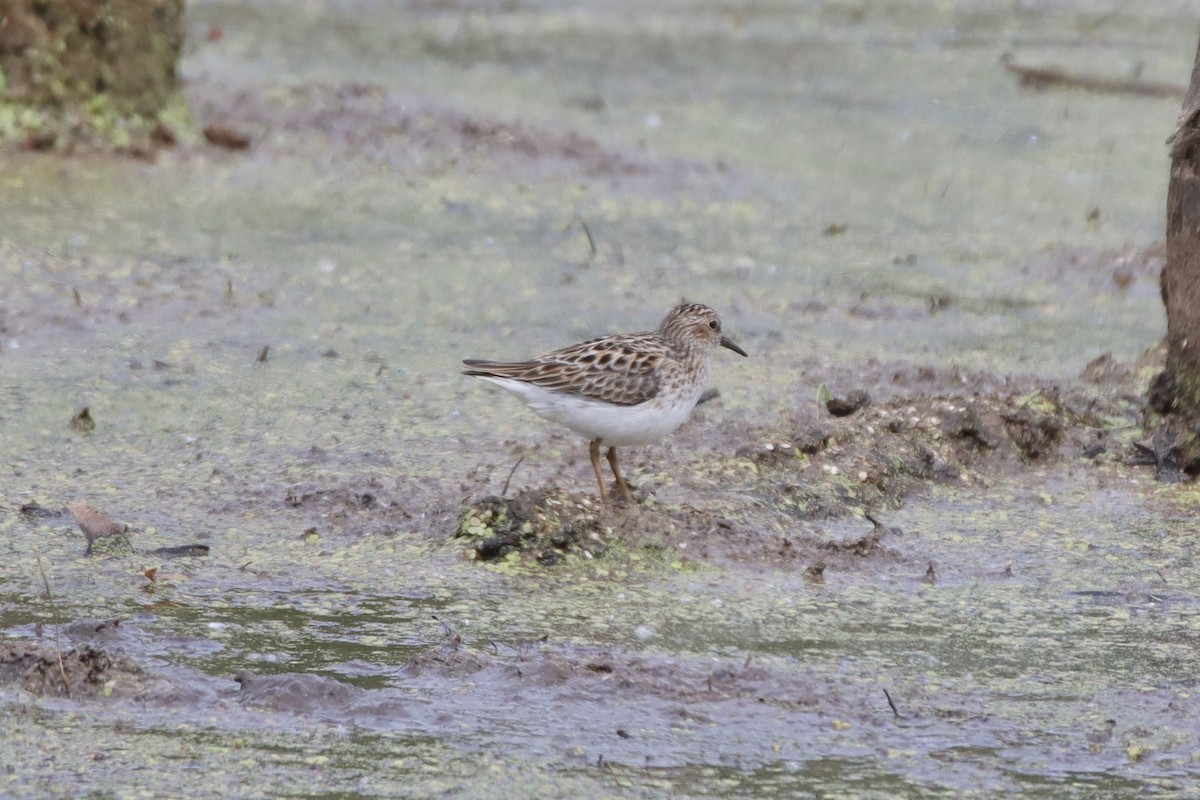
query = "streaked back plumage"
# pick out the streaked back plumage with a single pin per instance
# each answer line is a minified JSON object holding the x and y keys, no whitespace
{"x":621,"y":369}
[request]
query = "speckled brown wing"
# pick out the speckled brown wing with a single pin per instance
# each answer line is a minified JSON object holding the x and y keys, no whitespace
{"x":622,"y":370}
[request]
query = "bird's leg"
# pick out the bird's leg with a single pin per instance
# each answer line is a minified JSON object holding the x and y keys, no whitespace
{"x":594,"y":452}
{"x":624,"y":487}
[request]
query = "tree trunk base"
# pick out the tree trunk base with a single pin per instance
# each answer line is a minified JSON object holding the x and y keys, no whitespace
{"x":98,"y":72}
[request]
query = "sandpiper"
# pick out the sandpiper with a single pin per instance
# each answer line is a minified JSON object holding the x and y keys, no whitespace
{"x":94,"y":523}
{"x":623,"y":390}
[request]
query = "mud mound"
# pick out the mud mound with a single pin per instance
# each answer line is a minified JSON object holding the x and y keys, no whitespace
{"x":85,"y":671}
{"x":784,"y":481}
{"x":548,"y":523}
{"x":328,"y":504}
{"x":351,"y":121}
{"x":448,"y":659}
{"x":298,"y":693}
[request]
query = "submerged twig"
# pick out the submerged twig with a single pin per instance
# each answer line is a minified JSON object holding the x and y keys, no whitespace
{"x":62,"y":668}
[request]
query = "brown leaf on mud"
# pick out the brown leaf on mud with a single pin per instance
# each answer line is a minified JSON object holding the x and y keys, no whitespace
{"x":82,"y":422}
{"x":225,"y":136}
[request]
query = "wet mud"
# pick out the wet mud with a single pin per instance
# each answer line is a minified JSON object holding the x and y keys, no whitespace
{"x":922,"y":542}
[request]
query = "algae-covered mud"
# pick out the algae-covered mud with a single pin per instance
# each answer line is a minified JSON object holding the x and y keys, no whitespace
{"x":919,"y":544}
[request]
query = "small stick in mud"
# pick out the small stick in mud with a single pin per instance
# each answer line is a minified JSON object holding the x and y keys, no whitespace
{"x":504,"y":489}
{"x":588,"y":232}
{"x":62,"y":669}
{"x":880,"y":527}
{"x":892,"y":703}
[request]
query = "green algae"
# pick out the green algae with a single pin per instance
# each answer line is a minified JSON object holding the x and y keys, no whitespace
{"x":375,"y":237}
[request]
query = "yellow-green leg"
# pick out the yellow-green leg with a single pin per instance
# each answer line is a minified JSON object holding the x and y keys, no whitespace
{"x":594,"y":452}
{"x":624,"y":487}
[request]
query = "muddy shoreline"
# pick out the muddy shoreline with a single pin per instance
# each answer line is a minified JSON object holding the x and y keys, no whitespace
{"x":922,"y":542}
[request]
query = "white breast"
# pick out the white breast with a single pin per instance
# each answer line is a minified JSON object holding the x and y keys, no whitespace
{"x":615,"y":426}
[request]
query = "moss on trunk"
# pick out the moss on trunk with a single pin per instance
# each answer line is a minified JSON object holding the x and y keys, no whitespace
{"x":1178,"y":388}
{"x":90,"y":71}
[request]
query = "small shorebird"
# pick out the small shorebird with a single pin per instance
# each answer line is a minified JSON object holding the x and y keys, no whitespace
{"x":623,"y":390}
{"x":94,"y":523}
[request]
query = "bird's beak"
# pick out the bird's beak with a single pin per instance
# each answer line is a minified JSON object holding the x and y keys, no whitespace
{"x":727,"y":342}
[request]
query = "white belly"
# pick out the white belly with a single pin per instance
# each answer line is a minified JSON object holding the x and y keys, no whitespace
{"x":615,"y":426}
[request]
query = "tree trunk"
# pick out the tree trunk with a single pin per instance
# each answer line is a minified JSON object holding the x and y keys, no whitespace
{"x":93,"y":71}
{"x":1176,"y":390}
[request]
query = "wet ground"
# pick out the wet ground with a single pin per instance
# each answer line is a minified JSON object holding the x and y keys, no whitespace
{"x":976,"y":583}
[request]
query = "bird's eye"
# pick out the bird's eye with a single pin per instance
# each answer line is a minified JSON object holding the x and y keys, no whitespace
{"x":712,"y":323}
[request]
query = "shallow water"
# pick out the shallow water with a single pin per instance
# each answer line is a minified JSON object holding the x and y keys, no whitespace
{"x":851,"y":186}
